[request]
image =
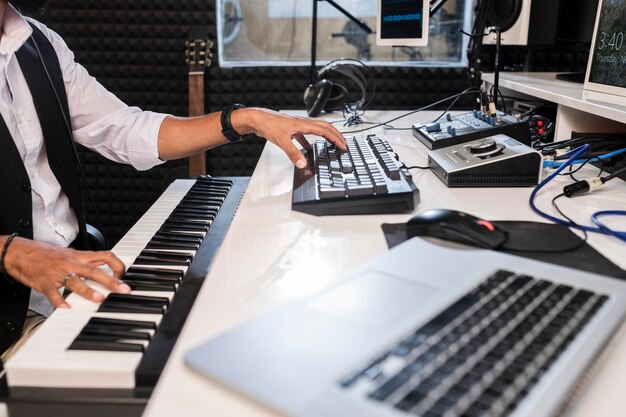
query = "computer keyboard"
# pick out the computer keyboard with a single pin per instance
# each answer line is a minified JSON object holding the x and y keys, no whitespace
{"x":482,"y":355}
{"x":368,"y":178}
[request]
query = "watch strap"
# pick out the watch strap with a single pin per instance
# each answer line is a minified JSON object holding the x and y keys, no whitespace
{"x":227,"y":127}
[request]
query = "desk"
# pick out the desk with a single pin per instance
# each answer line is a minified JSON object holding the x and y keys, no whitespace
{"x":272,"y":255}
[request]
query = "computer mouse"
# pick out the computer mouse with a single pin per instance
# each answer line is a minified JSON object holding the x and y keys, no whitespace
{"x":456,"y":226}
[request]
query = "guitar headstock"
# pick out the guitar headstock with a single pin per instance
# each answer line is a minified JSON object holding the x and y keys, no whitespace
{"x":198,"y":54}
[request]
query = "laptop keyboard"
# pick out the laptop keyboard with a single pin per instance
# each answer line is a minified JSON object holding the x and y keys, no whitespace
{"x":483,"y":354}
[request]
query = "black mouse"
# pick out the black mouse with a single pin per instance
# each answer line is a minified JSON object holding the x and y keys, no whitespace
{"x":456,"y":226}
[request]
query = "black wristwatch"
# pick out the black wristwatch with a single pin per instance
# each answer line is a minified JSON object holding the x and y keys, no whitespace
{"x":227,"y":126}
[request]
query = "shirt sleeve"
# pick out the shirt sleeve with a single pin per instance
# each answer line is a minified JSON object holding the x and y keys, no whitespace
{"x":100,"y":120}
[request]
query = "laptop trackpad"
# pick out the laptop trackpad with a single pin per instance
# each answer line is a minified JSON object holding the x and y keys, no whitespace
{"x":375,"y":299}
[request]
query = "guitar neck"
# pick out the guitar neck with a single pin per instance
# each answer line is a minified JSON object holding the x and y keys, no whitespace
{"x":197,"y":163}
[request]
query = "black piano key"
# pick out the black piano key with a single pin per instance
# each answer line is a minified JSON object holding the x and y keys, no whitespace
{"x":179,"y":218}
{"x":123,"y":307}
{"x":210,"y":203}
{"x":179,"y":236}
{"x":187,"y":220}
{"x":113,"y":334}
{"x":215,"y":184}
{"x":153,"y":257}
{"x":208,"y":212}
{"x":131,"y":303}
{"x":121,"y":323}
{"x":161,"y":272}
{"x":169,"y":225}
{"x":200,"y":192}
{"x":169,"y":244}
{"x":174,"y":229}
{"x":196,"y":211}
{"x":206,"y":187}
{"x":147,"y":277}
{"x":211,"y":186}
{"x":223,"y":183}
{"x":79,"y":344}
{"x":213,"y":199}
{"x":142,"y":285}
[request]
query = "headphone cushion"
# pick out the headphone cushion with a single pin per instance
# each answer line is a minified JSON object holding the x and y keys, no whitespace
{"x":337,"y":98}
{"x":316,"y":97}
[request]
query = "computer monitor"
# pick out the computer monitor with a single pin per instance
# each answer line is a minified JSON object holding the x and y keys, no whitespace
{"x":402,"y":22}
{"x":606,"y":71}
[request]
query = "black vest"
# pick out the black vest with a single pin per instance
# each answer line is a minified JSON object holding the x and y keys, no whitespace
{"x":15,"y":190}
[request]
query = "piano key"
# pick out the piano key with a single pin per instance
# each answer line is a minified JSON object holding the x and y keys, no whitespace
{"x":162,"y":272}
{"x":130,"y":303}
{"x":170,"y":244}
{"x":180,"y":236}
{"x":155,"y":258}
{"x":113,"y":334}
{"x":176,"y":225}
{"x":122,"y":324}
{"x":108,"y":346}
{"x":141,"y":285}
{"x":150,"y":277}
{"x":210,"y":200}
{"x":201,"y":215}
{"x":187,"y":221}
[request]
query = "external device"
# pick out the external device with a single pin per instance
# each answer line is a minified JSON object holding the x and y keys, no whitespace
{"x":425,"y":330}
{"x":402,"y":22}
{"x":497,"y":161}
{"x":606,"y":71}
{"x":467,"y":127}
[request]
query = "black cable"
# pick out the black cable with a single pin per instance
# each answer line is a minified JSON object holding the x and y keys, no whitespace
{"x":578,"y":245}
{"x":571,"y":172}
{"x":417,"y":167}
{"x":469,"y":90}
{"x":447,"y":109}
{"x":614,"y":174}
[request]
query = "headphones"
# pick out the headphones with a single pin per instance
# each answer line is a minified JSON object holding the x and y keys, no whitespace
{"x":326,"y":95}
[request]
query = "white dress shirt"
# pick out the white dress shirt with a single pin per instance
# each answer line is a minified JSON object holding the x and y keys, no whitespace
{"x":100,"y":122}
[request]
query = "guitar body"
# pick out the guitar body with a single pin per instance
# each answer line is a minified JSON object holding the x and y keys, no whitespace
{"x":198,"y":56}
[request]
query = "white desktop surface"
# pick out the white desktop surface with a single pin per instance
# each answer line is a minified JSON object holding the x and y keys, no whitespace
{"x":272,"y":255}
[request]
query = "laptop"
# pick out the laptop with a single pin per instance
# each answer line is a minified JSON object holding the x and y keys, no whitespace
{"x":424,"y":330}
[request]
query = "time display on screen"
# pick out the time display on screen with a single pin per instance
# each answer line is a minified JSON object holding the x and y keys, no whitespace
{"x":608,"y":58}
{"x":613,"y":41}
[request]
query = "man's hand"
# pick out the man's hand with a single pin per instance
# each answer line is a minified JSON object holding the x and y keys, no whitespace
{"x":282,"y":129}
{"x":47,"y":268}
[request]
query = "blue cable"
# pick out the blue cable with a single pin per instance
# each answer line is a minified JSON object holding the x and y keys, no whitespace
{"x":596,"y":219}
{"x":601,"y":227}
{"x":579,"y":151}
{"x":554,"y":164}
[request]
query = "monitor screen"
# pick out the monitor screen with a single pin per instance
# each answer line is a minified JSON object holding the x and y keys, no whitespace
{"x":402,"y":22}
{"x":606,"y":71}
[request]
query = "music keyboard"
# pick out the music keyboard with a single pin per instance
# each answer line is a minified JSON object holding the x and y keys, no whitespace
{"x":110,"y":354}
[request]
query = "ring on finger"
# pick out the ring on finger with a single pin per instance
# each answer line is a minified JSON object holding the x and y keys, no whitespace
{"x":67,"y":277}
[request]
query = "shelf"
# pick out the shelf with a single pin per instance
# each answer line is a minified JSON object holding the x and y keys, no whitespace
{"x":575,"y":112}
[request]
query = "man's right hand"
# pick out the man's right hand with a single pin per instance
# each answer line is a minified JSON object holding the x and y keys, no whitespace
{"x":47,"y":268}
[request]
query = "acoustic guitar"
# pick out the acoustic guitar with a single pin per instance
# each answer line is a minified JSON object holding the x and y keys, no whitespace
{"x":198,"y":56}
